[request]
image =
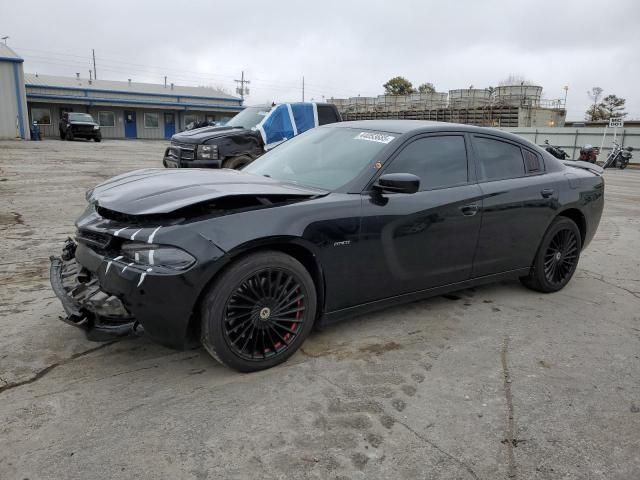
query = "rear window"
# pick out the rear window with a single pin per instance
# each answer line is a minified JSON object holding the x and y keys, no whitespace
{"x":326,"y":114}
{"x":81,"y":117}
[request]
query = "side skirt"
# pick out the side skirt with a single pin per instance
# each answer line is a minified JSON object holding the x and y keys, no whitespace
{"x":338,"y":315}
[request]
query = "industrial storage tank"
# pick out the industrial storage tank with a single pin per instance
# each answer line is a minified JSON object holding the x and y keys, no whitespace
{"x":516,"y":95}
{"x":426,"y":100}
{"x":469,"y":98}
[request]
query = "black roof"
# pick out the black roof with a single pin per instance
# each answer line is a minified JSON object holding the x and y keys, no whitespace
{"x":402,"y":127}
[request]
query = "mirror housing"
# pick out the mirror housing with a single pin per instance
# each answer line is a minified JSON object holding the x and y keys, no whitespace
{"x":397,"y":183}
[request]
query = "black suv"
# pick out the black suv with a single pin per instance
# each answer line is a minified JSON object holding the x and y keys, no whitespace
{"x":233,"y":145}
{"x":79,"y":125}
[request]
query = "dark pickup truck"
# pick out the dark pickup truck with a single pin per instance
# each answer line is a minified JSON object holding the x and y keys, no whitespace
{"x":246,"y":136}
{"x":79,"y":125}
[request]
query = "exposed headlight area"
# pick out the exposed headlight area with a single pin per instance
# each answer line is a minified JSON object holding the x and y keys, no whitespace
{"x":207,"y":152}
{"x":96,"y":127}
{"x":159,"y":257}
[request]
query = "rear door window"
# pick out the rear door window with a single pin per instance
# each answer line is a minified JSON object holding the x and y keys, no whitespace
{"x":497,"y":160}
{"x":439,"y":161}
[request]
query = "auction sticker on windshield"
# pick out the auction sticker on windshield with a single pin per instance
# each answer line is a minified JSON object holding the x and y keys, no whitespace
{"x":374,"y":137}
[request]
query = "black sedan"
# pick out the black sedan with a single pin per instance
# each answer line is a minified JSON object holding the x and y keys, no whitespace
{"x":341,"y":220}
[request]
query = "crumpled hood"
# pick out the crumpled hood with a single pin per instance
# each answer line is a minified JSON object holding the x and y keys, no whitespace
{"x":165,"y":190}
{"x":199,"y":135}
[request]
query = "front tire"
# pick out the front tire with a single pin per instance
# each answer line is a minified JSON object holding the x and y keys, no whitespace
{"x":258,"y":312}
{"x":69,"y":135}
{"x":557,"y":257}
{"x":236,"y":163}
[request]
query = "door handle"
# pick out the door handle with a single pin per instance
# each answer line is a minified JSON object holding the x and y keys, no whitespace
{"x":469,"y":210}
{"x":547,"y":192}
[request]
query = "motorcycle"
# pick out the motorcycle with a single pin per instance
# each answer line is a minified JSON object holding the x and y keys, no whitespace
{"x":619,"y":157}
{"x":589,"y":153}
{"x":555,"y":151}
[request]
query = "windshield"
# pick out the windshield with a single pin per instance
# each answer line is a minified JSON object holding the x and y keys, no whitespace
{"x":81,"y":117}
{"x":249,"y":117}
{"x":326,"y":158}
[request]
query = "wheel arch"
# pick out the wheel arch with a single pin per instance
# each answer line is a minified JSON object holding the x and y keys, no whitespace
{"x":578,"y":218}
{"x":293,"y":247}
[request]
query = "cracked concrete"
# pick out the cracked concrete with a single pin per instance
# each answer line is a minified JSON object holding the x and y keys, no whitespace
{"x":418,"y":391}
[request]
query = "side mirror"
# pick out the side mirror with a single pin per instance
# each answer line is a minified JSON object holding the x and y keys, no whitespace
{"x":397,"y":183}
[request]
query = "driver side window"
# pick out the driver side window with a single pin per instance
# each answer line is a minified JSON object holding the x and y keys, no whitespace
{"x":439,"y":162}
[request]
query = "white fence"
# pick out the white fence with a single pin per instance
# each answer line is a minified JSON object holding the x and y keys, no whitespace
{"x":570,"y":139}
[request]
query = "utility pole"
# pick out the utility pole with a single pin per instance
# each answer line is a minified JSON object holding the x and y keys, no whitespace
{"x":241,"y":90}
{"x":303,"y":88}
{"x":95,"y":72}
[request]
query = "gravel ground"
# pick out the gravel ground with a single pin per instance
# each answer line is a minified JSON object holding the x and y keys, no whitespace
{"x":493,"y":382}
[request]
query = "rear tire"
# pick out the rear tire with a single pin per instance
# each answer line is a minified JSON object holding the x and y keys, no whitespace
{"x":557,"y":257}
{"x":258,"y":312}
{"x":236,"y":163}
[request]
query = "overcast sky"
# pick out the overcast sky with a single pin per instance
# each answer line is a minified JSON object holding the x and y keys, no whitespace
{"x":343,"y":48}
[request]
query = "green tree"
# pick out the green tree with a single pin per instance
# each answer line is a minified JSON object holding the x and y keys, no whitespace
{"x":612,"y":106}
{"x":427,"y":88}
{"x":595,"y":111}
{"x":398,"y":86}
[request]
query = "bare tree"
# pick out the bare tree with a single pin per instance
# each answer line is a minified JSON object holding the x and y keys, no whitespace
{"x":595,"y":111}
{"x":514,"y":79}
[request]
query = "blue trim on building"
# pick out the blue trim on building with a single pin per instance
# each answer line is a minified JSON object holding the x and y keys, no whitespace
{"x":114,"y":101}
{"x":16,"y":80}
{"x":11,"y":59}
{"x":100,"y":90}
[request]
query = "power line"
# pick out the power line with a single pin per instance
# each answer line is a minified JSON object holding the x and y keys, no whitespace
{"x":188,"y":76}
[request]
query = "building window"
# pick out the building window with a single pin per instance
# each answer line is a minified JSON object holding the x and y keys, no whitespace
{"x":210,"y":118}
{"x":151,"y":120}
{"x":107,"y":119}
{"x":41,"y":115}
{"x":190,"y":119}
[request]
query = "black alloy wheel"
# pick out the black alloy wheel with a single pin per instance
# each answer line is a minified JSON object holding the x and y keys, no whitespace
{"x":561,"y":257}
{"x":557,"y":257}
{"x":264,"y":314}
{"x":258,"y":312}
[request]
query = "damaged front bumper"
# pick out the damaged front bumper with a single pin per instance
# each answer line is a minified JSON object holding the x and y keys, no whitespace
{"x":101,"y":314}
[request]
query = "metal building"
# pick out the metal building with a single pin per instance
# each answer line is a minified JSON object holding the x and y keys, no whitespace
{"x":125,"y":109}
{"x":13,"y":105}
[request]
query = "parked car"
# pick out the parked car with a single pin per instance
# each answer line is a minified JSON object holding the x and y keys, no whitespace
{"x":79,"y":125}
{"x":246,"y":136}
{"x":341,"y":220}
